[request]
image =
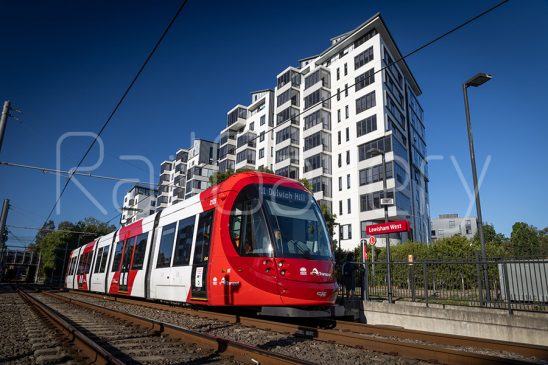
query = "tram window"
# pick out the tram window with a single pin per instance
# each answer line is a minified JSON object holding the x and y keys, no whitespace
{"x":183,"y":245}
{"x":140,"y":248}
{"x":166,"y":246}
{"x":203,"y":237}
{"x":82,"y":264}
{"x":104,"y":260}
{"x":88,"y":261}
{"x":98,"y":260}
{"x":249,"y":231}
{"x":117,"y":256}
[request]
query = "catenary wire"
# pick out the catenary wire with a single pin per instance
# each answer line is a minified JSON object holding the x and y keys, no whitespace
{"x":429,"y":43}
{"x":126,"y":92}
{"x":85,"y":174}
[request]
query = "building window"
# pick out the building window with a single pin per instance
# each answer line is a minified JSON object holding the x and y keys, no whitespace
{"x":367,"y":36}
{"x":366,"y":125}
{"x":340,"y":160}
{"x":346,"y":112}
{"x":365,"y":102}
{"x":349,"y":204}
{"x":252,"y":126}
{"x":345,"y":69}
{"x":364,"y":80}
{"x":261,"y":153}
{"x":339,"y":93}
{"x":345,"y":232}
{"x":263,"y":120}
{"x":340,"y":183}
{"x":345,"y":90}
{"x":363,"y":58}
{"x":261,"y":137}
{"x":319,"y":116}
{"x":365,"y":150}
{"x":348,"y":157}
{"x":374,"y":174}
{"x":338,"y":115}
{"x":340,"y":207}
{"x":338,"y":73}
{"x":347,"y":134}
{"x":348,"y":181}
{"x":372,"y":201}
{"x":339,"y":139}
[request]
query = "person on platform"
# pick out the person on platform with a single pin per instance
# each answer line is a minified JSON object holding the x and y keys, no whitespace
{"x":349,"y":275}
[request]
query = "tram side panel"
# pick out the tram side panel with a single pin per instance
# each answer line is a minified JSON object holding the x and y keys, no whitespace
{"x":170,"y":271}
{"x":104,"y":245}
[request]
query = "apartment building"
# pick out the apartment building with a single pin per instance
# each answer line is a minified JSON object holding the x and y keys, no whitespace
{"x":139,"y":202}
{"x":448,"y":225}
{"x":246,"y":141}
{"x":187,"y":174}
{"x":334,"y":116}
{"x":172,"y":186}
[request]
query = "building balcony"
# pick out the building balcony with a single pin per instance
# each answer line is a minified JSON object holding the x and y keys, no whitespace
{"x":248,"y":139}
{"x":228,"y":136}
{"x":236,"y":118}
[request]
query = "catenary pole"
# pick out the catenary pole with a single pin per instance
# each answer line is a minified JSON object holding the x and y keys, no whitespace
{"x":4,"y":121}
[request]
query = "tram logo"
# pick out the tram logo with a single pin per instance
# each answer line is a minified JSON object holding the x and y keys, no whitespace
{"x":319,"y":273}
{"x":303,"y":271}
{"x":321,"y":294}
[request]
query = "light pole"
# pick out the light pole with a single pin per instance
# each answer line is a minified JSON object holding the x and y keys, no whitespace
{"x":475,"y":81}
{"x":376,"y":152}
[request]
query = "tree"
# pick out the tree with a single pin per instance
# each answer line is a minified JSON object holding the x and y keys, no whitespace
{"x":525,"y":240}
{"x":490,"y":235}
{"x":306,"y":183}
{"x":219,"y":176}
{"x":52,"y":243}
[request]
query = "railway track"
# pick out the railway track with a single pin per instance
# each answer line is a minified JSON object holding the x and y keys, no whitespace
{"x":419,"y":345}
{"x":106,"y":336}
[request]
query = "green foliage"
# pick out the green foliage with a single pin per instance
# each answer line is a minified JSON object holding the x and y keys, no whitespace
{"x":51,"y":243}
{"x":306,"y":183}
{"x":219,"y":176}
{"x":490,"y":235}
{"x":525,"y":240}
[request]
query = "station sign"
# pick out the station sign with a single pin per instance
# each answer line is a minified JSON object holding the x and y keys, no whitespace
{"x":390,"y":227}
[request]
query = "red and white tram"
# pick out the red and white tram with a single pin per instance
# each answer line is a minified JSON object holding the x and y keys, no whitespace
{"x":255,"y":240}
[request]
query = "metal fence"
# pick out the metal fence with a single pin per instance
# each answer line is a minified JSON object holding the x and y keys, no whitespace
{"x":511,"y":284}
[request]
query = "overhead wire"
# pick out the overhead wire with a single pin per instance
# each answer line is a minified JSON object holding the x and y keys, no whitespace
{"x":123,"y":97}
{"x":429,"y":43}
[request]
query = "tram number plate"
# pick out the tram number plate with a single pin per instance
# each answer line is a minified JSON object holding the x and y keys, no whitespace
{"x":199,"y":276}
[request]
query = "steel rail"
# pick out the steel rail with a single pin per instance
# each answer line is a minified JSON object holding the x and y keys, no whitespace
{"x":89,"y":348}
{"x":352,"y":334}
{"x":240,"y":352}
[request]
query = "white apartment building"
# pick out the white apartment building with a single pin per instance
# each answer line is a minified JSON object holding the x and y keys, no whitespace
{"x":202,"y":163}
{"x":329,"y":114}
{"x":246,"y":141}
{"x":139,"y":202}
{"x":173,"y":179}
{"x":188,"y":174}
{"x":448,"y":225}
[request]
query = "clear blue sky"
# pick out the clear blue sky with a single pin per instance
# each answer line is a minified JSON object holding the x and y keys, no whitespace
{"x":66,"y":63}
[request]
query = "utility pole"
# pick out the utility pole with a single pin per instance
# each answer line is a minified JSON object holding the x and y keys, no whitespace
{"x":3,"y":219}
{"x":4,"y":121}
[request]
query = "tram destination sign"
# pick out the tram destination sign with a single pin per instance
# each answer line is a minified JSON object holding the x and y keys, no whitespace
{"x":390,"y":227}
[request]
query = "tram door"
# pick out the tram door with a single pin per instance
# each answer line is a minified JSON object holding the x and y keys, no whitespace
{"x":126,"y":263}
{"x":201,"y":256}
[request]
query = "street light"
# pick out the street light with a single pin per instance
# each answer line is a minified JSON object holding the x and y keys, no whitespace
{"x":376,"y":152}
{"x":475,"y":81}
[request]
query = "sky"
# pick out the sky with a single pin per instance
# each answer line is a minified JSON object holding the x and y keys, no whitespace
{"x":65,"y":64}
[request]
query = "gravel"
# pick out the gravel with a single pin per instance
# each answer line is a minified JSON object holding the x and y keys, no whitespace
{"x":318,"y":352}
